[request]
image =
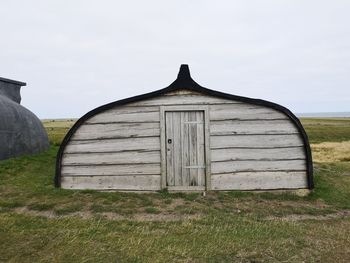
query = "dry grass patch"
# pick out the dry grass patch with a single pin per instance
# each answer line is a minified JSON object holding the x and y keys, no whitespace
{"x":327,"y":152}
{"x":87,"y":214}
{"x":57,"y":129}
{"x":297,"y":217}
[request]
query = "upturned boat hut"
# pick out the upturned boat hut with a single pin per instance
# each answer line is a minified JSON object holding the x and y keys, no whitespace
{"x":186,"y":138}
{"x":21,"y":132}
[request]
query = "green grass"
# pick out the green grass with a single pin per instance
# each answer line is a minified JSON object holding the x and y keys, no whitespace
{"x":151,"y":210}
{"x":327,"y":130}
{"x":57,"y":129}
{"x":40,"y":223}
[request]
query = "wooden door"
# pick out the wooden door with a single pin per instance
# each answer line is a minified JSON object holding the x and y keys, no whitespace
{"x":185,"y":150}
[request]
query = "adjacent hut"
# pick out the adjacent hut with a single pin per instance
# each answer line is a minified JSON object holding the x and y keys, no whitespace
{"x":186,"y":138}
{"x":21,"y":132}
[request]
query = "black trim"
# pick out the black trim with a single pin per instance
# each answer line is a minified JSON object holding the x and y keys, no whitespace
{"x":184,"y":81}
{"x":20,"y":83}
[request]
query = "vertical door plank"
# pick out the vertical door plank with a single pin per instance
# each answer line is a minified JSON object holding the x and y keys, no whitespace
{"x":200,"y":148}
{"x":177,"y":151}
{"x":169,"y":148}
{"x":193,"y":149}
{"x":163,"y":148}
{"x":185,"y":150}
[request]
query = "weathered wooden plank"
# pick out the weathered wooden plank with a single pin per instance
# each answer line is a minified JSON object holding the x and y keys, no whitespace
{"x":169,"y":132}
{"x":200,"y":148}
{"x":111,"y":158}
{"x":113,"y":145}
{"x":182,"y":100}
{"x":207,"y":149}
{"x":252,"y":127}
{"x":235,"y":166}
{"x":180,"y":188}
{"x":193,"y":148}
{"x":118,"y":169}
{"x":126,"y":114}
{"x":185,"y":149}
{"x":136,"y":183}
{"x":116,"y":130}
{"x":244,"y":111}
{"x":177,"y":150}
{"x":259,"y":180}
{"x":232,"y":154}
{"x":256,"y":141}
{"x":163,"y":148}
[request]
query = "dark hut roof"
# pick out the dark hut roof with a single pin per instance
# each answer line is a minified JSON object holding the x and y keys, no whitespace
{"x":16,"y":82}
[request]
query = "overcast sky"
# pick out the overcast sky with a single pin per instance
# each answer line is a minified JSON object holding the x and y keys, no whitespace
{"x":77,"y":55}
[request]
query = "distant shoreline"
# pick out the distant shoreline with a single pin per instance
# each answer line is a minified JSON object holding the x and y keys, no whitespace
{"x":324,"y":114}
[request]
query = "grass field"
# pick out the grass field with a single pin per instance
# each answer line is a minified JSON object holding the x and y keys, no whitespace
{"x":39,"y":223}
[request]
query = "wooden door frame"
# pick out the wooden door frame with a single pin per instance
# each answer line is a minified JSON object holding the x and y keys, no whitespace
{"x":205,"y":109}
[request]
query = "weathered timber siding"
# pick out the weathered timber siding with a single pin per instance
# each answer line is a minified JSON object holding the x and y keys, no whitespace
{"x":251,"y":147}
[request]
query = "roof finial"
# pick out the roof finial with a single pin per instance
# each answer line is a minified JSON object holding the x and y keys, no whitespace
{"x":184,"y":72}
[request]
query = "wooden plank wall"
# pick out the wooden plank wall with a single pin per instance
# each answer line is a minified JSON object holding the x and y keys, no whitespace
{"x":254,"y":147}
{"x":251,"y":147}
{"x":116,"y":149}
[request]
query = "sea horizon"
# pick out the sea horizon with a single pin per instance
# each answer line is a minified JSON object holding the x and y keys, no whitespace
{"x":344,"y":114}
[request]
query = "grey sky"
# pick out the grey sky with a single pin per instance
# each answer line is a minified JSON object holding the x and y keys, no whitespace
{"x":77,"y":55}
